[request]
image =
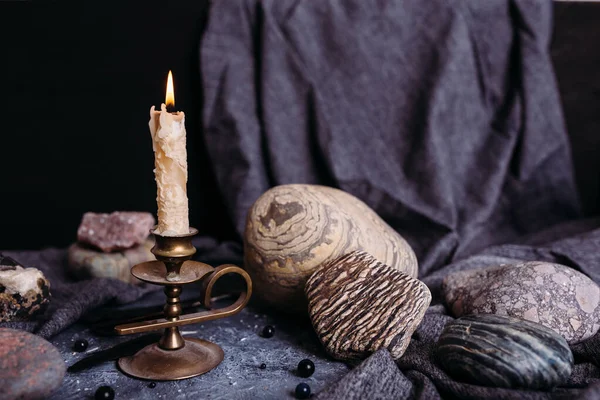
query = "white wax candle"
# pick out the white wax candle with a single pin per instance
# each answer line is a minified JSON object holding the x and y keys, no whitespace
{"x":170,"y":156}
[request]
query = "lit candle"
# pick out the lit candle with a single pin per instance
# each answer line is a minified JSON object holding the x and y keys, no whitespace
{"x":170,"y":160}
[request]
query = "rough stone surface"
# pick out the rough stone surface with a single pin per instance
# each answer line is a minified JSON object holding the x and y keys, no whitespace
{"x":359,"y":305}
{"x":85,"y":263}
{"x":498,"y":351}
{"x":30,"y":367}
{"x":24,"y":292}
{"x":293,"y":229}
{"x":117,"y":231}
{"x":554,"y":295}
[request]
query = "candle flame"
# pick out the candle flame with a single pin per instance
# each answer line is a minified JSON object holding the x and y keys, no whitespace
{"x":170,"y":97}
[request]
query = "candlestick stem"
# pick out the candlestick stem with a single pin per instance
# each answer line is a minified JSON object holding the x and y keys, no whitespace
{"x":172,"y":339}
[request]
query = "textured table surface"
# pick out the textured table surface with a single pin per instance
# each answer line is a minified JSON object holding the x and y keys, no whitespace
{"x":237,"y":377}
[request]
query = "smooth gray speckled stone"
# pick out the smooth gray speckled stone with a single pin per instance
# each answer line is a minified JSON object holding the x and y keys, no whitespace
{"x":30,"y":367}
{"x":553,"y":295}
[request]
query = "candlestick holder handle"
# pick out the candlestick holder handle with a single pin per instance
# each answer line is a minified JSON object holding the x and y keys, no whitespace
{"x":174,"y":357}
{"x":236,"y":307}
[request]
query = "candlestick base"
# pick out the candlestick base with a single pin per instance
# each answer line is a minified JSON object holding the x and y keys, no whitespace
{"x":195,"y":358}
{"x":174,"y":357}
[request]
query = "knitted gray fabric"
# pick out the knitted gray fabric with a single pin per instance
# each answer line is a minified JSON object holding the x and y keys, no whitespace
{"x":377,"y":378}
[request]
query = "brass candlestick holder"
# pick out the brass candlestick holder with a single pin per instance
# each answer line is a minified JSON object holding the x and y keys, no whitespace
{"x":174,"y":357}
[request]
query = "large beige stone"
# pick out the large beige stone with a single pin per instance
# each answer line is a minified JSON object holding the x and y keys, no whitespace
{"x":293,"y":229}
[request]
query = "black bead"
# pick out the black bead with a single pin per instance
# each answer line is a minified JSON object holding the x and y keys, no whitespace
{"x":306,"y":368}
{"x":152,"y":385}
{"x":302,"y":391}
{"x":80,"y":345}
{"x":263,"y":366}
{"x":104,"y":393}
{"x":268,"y":331}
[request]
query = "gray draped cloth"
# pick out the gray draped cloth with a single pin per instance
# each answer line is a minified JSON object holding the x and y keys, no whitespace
{"x":443,"y":116}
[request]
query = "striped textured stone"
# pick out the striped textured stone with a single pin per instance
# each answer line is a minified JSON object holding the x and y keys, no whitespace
{"x":358,"y":305}
{"x":293,"y":229}
{"x":493,"y":350}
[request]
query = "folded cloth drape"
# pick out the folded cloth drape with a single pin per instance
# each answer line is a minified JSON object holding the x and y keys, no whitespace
{"x":444,"y":117}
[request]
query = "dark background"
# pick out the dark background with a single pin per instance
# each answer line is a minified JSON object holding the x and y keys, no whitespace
{"x":80,"y":79}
